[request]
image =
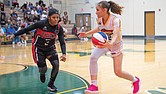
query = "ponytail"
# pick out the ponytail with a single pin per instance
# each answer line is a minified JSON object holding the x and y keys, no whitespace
{"x":115,"y":8}
{"x":110,"y":5}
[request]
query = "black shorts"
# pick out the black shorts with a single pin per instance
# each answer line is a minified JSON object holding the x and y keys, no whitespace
{"x":40,"y":55}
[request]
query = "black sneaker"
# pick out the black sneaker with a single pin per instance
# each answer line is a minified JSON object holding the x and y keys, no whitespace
{"x":42,"y":78}
{"x":52,"y":88}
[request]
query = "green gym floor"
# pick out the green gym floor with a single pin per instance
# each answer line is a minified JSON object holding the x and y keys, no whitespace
{"x":27,"y":81}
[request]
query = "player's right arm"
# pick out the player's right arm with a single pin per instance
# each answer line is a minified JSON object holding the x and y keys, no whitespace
{"x":25,"y":30}
{"x":84,"y":34}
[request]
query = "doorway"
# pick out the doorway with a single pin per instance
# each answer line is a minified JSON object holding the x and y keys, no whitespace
{"x":83,"y":20}
{"x":150,"y":24}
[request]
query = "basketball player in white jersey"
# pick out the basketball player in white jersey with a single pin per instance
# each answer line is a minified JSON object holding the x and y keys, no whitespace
{"x":109,"y":23}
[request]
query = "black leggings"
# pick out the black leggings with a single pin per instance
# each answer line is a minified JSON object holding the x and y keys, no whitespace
{"x":54,"y":60}
{"x":55,"y":67}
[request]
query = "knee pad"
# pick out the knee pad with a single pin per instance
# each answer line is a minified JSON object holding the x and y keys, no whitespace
{"x":54,"y":60}
{"x":43,"y":70}
{"x":42,"y":67}
{"x":41,"y":64}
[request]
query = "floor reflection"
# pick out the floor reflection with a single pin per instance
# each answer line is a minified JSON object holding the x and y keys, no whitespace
{"x":149,"y":50}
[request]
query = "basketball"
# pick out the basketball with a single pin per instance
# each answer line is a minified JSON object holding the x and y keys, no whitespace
{"x":98,"y":38}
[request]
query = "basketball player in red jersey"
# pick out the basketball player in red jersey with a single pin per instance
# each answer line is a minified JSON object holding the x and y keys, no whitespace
{"x":43,"y":45}
{"x":110,"y":23}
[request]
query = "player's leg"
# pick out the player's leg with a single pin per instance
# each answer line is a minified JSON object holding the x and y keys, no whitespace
{"x":96,"y":53}
{"x":39,"y":58}
{"x":54,"y":60}
{"x":123,"y":74}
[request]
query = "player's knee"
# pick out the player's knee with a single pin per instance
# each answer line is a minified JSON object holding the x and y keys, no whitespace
{"x":93,"y":59}
{"x":43,"y":70}
{"x":118,"y":73}
{"x":54,"y":61}
{"x":42,"y":67}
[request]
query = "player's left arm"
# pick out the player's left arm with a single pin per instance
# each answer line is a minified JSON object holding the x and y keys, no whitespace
{"x":115,"y":35}
{"x":116,"y":31}
{"x":62,"y":44}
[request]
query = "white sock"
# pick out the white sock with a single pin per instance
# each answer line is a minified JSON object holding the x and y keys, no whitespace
{"x":134,"y":79}
{"x":94,"y":82}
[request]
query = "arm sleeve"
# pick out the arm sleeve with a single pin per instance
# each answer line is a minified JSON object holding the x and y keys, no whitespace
{"x":62,"y":40}
{"x":25,"y":30}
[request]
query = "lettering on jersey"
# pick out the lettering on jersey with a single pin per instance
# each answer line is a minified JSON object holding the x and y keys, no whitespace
{"x":46,"y":35}
{"x":108,"y":32}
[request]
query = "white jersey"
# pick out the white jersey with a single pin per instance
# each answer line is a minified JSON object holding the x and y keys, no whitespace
{"x":112,"y":22}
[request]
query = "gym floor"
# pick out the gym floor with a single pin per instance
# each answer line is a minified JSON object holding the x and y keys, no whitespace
{"x":143,"y":58}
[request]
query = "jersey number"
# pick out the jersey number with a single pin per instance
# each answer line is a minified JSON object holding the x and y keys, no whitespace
{"x":47,"y":42}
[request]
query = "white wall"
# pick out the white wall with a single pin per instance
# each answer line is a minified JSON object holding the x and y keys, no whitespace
{"x":132,"y":16}
{"x":79,"y":6}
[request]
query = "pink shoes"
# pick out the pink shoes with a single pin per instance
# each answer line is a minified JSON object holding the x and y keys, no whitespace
{"x":92,"y":90}
{"x":136,"y":86}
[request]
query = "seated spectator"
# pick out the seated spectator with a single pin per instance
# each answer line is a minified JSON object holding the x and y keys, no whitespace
{"x":39,"y":11}
{"x":36,"y":18}
{"x":44,"y":15}
{"x":34,"y":11}
{"x":65,"y":18}
{"x":15,"y":4}
{"x":41,"y":2}
{"x":29,"y":17}
{"x":74,"y":30}
{"x":4,"y":29}
{"x":2,"y":6}
{"x":13,"y":15}
{"x":23,"y":36}
{"x":3,"y":18}
{"x":50,"y":6}
{"x":24,"y":6}
{"x":11,"y":30}
{"x":1,"y":35}
{"x":83,"y":29}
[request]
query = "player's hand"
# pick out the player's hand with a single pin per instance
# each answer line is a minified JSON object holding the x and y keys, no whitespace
{"x":63,"y":58}
{"x":82,"y":34}
{"x":106,"y":44}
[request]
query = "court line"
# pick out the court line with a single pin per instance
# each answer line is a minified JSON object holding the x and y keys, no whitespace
{"x":79,"y":77}
{"x":25,"y":68}
{"x":71,"y":90}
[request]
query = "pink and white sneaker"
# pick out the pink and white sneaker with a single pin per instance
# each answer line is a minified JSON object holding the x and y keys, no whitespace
{"x":92,"y":90}
{"x":136,"y":85}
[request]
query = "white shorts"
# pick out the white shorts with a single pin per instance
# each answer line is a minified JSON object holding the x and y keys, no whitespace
{"x":116,"y":49}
